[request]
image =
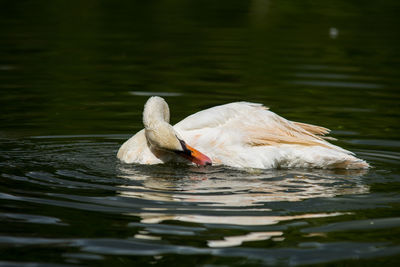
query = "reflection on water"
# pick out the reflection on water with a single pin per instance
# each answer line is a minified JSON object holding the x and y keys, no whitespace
{"x":229,"y":191}
{"x":255,"y":219}
{"x":219,"y":188}
{"x":223,"y":196}
{"x":231,"y":241}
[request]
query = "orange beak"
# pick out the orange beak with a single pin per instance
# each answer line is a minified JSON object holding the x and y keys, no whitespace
{"x":198,"y":157}
{"x":194,"y":155}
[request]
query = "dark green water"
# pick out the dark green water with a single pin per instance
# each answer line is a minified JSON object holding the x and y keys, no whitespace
{"x":74,"y":76}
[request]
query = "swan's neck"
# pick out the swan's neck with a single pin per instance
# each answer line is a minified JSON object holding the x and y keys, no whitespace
{"x":155,"y":112}
{"x":159,"y":133}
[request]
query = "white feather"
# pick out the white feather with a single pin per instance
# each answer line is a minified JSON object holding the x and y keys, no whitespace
{"x":248,"y":135}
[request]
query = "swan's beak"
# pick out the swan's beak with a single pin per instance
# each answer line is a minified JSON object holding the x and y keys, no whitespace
{"x":194,"y":155}
{"x":197,"y":157}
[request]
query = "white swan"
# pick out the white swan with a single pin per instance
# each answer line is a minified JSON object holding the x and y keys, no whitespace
{"x":241,"y":134}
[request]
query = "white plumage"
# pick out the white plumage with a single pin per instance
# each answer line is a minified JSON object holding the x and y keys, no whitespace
{"x":241,"y":134}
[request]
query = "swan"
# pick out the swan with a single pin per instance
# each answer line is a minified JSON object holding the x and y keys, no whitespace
{"x":239,"y":134}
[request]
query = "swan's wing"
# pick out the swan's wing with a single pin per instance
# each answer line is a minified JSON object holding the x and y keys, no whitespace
{"x":272,"y":129}
{"x":218,"y":116}
{"x":253,"y":125}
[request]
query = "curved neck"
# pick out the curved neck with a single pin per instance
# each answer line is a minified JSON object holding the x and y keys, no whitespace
{"x":155,"y":111}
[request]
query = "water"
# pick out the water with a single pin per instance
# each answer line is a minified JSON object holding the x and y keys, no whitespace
{"x":74,"y":78}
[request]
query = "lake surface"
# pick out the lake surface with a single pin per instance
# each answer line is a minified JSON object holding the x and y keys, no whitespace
{"x":74,"y":77}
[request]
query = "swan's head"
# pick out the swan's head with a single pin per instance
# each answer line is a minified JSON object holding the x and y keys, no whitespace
{"x":162,"y":136}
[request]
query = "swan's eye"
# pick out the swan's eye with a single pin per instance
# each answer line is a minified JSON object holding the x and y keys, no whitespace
{"x":184,"y":148}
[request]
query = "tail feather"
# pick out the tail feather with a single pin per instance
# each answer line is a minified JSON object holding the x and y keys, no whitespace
{"x":351,"y":164}
{"x":314,"y":129}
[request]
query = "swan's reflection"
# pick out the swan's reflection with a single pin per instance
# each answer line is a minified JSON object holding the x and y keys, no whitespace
{"x":239,"y":195}
{"x":230,"y":188}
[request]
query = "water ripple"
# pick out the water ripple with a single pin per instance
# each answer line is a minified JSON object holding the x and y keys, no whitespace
{"x":303,"y":254}
{"x":220,"y":210}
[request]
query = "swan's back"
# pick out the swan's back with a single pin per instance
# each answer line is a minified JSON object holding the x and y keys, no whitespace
{"x":244,"y":134}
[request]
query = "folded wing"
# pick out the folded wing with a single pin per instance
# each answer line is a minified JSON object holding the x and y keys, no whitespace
{"x":254,"y":125}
